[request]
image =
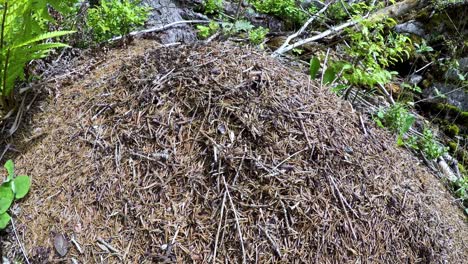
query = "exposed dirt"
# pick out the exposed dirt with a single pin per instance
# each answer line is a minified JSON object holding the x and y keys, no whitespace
{"x":185,"y":153}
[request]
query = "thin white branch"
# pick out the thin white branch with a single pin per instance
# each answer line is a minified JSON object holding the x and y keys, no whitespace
{"x":326,"y":33}
{"x":219,"y":227}
{"x":23,"y":250}
{"x":300,"y":31}
{"x":325,"y":66}
{"x":234,"y":211}
{"x":158,"y":29}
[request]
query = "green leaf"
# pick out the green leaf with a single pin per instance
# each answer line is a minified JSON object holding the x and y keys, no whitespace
{"x":10,"y":167}
{"x":6,"y":198}
{"x":379,"y":123}
{"x":4,"y":220}
{"x":22,"y":186}
{"x":400,"y":141}
{"x":242,"y":25}
{"x":329,"y":76}
{"x":314,"y":67}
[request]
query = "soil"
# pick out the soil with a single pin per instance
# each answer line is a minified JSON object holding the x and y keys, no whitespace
{"x":216,"y":153}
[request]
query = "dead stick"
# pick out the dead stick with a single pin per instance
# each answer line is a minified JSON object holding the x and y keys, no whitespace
{"x":158,"y":29}
{"x":23,"y":250}
{"x":272,"y":242}
{"x":237,"y":221}
{"x":219,"y":227}
{"x":324,"y":34}
{"x":344,"y":208}
{"x":300,"y":31}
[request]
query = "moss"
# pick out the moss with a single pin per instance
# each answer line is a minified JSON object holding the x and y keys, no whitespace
{"x":463,"y":156}
{"x":452,"y":146}
{"x":452,"y":112}
{"x":447,"y":108}
{"x":462,"y":169}
{"x":451,"y":130}
{"x":426,"y":84}
{"x":458,"y":152}
{"x":464,"y":117}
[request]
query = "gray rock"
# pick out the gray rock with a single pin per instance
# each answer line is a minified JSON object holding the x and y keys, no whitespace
{"x":454,"y":94}
{"x":463,"y":64}
{"x":165,"y":12}
{"x":414,"y":79}
{"x":453,"y":74}
{"x":412,"y":27}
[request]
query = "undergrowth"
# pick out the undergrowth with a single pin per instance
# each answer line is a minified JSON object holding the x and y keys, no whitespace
{"x":372,"y":49}
{"x":212,"y":6}
{"x":23,"y":31}
{"x":116,"y":18}
{"x":288,"y":10}
{"x":256,"y":35}
{"x":398,"y":119}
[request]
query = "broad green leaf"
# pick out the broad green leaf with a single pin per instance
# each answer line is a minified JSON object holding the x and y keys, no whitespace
{"x":329,"y":76}
{"x":6,"y":198}
{"x":10,"y":167}
{"x":22,"y":185}
{"x":4,"y":220}
{"x":314,"y":67}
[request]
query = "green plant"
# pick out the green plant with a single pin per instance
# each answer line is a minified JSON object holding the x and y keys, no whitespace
{"x":460,"y":187}
{"x":116,"y":18}
{"x":413,"y":88}
{"x":212,"y":6}
{"x":22,"y":33}
{"x":362,"y":75}
{"x":288,"y":10}
{"x":13,"y":188}
{"x":206,"y":31}
{"x":397,"y":118}
{"x":373,"y":48}
{"x":429,"y":145}
{"x":257,"y":36}
{"x":236,"y":27}
{"x":340,"y":10}
{"x":423,"y":47}
{"x":314,"y":67}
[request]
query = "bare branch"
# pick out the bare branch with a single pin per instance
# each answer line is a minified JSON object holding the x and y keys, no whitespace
{"x":299,"y":32}
{"x":395,"y":10}
{"x":158,"y":29}
{"x":314,"y":38}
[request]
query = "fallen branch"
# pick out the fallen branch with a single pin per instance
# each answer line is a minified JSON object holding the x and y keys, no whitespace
{"x":324,"y":34}
{"x":158,"y":29}
{"x":395,"y":10}
{"x":299,"y":32}
{"x":400,"y":9}
{"x":274,"y":245}
{"x":23,"y":250}
{"x":234,"y":211}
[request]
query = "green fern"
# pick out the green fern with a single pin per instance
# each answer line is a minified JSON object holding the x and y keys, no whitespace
{"x":23,"y":29}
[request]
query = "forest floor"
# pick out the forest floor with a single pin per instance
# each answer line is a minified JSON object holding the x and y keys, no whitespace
{"x":215,"y":153}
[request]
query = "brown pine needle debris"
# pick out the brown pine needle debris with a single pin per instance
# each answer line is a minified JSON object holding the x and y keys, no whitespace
{"x":220,"y":154}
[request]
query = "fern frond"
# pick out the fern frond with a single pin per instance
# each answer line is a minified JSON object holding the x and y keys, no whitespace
{"x":44,"y":36}
{"x":47,"y":47}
